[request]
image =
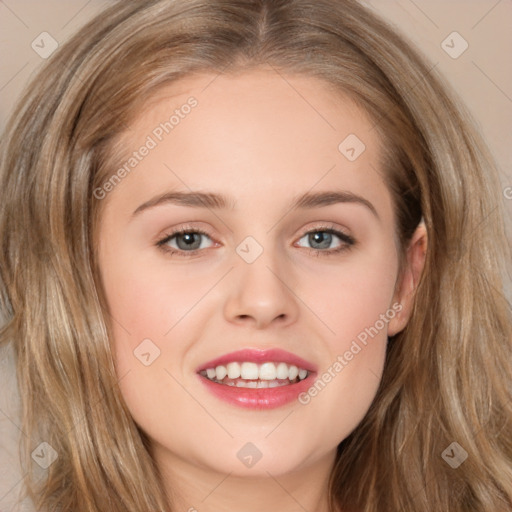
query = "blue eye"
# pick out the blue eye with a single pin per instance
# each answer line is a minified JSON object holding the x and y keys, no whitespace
{"x":321,"y":239}
{"x":187,"y":242}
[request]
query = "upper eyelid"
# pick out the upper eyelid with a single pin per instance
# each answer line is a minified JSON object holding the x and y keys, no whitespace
{"x":194,"y":229}
{"x":181,"y":230}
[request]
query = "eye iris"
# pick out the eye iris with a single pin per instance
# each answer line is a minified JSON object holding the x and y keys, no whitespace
{"x":192,"y":241}
{"x":321,"y":237}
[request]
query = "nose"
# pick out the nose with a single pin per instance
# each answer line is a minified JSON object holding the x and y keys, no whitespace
{"x":261,"y":293}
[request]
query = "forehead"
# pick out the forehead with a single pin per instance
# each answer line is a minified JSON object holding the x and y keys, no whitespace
{"x":249,"y":131}
{"x":259,"y":97}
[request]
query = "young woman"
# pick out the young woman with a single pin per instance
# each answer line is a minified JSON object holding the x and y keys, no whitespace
{"x":253,"y":259}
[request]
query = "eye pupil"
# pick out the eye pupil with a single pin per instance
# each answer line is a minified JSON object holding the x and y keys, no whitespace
{"x":190,"y":239}
{"x":321,"y":237}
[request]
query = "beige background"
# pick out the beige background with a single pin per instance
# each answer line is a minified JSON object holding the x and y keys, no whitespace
{"x":482,"y":75}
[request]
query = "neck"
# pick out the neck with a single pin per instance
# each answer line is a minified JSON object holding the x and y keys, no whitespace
{"x":198,"y":488}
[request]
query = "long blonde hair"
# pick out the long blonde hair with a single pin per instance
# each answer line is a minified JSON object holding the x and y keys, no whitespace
{"x":448,"y":374}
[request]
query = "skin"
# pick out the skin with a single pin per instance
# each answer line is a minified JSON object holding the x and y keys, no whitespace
{"x":254,"y":138}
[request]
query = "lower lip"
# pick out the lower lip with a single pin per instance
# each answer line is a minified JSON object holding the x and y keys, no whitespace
{"x":258,"y":398}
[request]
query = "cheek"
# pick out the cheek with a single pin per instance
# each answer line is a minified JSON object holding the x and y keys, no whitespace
{"x":150,"y":309}
{"x":355,"y":306}
{"x":156,"y":315}
{"x":352,"y":296}
{"x":147,"y":301}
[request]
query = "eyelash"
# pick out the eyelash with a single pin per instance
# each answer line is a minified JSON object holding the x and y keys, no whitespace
{"x":348,"y":241}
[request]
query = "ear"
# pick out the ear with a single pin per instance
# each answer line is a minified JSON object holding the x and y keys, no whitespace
{"x":407,"y":283}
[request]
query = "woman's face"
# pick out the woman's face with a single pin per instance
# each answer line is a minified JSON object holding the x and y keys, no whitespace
{"x":301,"y":257}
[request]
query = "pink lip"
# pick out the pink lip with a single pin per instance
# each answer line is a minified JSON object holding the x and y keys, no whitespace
{"x":262,"y":398}
{"x":259,"y":398}
{"x":259,"y":356}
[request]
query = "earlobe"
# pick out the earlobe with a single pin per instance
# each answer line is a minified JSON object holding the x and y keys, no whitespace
{"x":406,"y":287}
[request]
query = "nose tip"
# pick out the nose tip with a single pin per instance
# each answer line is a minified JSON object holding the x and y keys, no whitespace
{"x":259,"y":296}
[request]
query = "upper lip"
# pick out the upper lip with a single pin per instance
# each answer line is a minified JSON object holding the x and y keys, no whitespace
{"x":259,"y":356}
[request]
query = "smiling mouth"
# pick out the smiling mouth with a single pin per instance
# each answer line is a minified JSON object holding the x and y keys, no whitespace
{"x":253,"y":375}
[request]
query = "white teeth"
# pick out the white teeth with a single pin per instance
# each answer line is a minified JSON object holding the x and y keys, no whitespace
{"x":233,"y":370}
{"x":268,"y":371}
{"x":220,"y":372}
{"x":256,"y":375}
{"x":282,"y":371}
{"x":249,"y":371}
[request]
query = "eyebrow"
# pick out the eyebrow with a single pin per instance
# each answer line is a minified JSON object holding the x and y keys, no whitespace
{"x":215,"y":201}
